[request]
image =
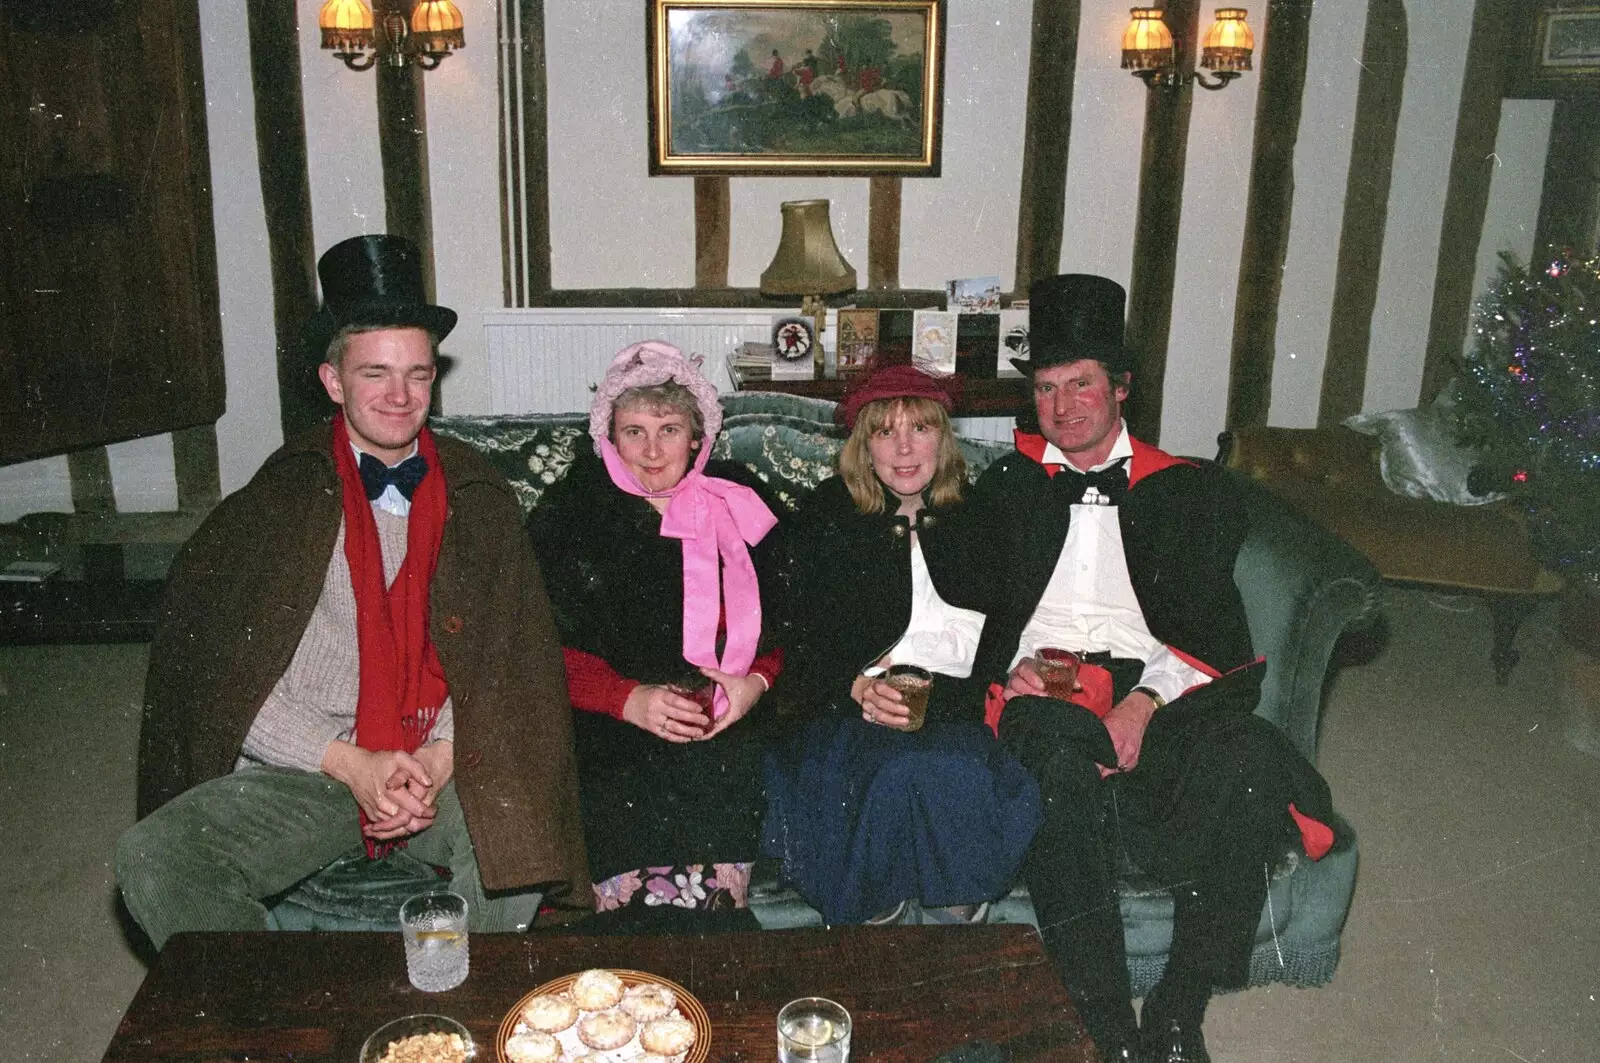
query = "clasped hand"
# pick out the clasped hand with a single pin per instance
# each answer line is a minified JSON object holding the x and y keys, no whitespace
{"x":397,"y":791}
{"x":667,"y":713}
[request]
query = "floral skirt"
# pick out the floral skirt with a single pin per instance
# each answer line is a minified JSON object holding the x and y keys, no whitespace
{"x":690,"y":887}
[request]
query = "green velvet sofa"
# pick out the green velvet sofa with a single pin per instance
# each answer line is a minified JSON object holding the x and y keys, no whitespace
{"x":1302,"y":588}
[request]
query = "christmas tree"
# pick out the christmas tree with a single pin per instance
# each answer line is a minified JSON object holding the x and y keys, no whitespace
{"x":1529,"y":397}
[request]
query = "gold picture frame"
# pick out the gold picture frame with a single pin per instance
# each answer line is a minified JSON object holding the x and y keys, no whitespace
{"x":1568,"y":42}
{"x":840,"y":87}
{"x":1556,"y":54}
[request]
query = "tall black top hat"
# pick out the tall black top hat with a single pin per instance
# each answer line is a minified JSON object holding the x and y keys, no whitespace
{"x":1075,"y":316}
{"x":373,"y":282}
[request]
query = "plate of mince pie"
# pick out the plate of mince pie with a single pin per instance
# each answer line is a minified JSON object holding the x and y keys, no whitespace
{"x":606,"y":1015}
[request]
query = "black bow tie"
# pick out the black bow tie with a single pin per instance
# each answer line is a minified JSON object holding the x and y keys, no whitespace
{"x":375,"y":475}
{"x":1110,"y":483}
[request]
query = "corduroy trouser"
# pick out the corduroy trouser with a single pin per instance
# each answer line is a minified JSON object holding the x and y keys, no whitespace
{"x":211,"y":857}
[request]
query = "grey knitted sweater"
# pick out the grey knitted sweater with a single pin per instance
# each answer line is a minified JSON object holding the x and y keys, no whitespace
{"x":315,"y":701}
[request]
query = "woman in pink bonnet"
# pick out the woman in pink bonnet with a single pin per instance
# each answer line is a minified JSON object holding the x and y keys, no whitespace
{"x":655,"y":558}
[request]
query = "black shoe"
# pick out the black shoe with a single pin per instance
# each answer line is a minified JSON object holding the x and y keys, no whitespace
{"x":1127,"y":1053}
{"x":1177,"y":1043}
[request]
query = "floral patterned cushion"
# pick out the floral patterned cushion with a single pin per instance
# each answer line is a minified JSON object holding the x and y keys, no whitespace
{"x":789,"y":442}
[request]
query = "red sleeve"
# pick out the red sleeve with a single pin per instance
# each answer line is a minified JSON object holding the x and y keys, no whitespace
{"x":593,"y":685}
{"x":768,"y":666}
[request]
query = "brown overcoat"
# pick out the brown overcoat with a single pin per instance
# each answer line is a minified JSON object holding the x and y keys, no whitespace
{"x":240,"y":596}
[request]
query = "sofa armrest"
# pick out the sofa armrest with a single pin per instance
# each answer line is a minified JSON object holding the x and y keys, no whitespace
{"x":1302,"y":587}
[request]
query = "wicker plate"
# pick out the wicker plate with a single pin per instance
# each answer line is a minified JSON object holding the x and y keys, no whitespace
{"x":688,"y":1007}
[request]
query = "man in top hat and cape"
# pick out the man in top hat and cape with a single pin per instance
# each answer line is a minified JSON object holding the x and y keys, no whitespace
{"x":1110,"y":548}
{"x":355,"y":653}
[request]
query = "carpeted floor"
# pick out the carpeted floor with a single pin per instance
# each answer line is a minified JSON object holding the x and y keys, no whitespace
{"x":1473,"y":936}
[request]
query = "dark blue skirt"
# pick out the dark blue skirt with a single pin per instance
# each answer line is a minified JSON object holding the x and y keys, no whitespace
{"x":864,"y":817}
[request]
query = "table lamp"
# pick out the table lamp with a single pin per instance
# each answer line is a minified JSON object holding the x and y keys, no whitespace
{"x":808,"y":264}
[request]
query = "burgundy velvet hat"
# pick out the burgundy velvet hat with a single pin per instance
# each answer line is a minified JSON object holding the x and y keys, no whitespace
{"x":896,"y":382}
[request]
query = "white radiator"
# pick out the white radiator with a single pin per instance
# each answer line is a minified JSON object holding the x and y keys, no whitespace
{"x":544,"y":360}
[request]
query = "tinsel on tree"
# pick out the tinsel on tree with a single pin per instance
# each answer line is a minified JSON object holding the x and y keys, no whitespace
{"x":1530,"y":398}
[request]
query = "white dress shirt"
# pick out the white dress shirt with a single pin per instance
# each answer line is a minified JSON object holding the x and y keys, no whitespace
{"x":1089,"y":605}
{"x":940,"y":637}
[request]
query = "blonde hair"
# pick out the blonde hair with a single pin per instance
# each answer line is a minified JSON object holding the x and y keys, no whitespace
{"x":855,"y":460}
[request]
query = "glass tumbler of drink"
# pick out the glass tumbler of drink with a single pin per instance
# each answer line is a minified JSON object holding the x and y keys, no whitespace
{"x":698,"y":689}
{"x":813,"y":1030}
{"x":435,"y":930}
{"x":914,"y":685}
{"x":1059,"y":670}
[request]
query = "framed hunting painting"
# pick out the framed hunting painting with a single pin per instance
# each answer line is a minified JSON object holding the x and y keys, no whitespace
{"x":769,"y":87}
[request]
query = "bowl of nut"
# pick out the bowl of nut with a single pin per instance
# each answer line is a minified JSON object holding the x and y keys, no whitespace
{"x":419,"y":1039}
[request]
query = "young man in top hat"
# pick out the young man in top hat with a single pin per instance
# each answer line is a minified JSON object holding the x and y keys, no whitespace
{"x":356,"y":653}
{"x":1110,"y":548}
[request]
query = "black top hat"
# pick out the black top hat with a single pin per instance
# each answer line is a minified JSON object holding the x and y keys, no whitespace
{"x":373,"y":282}
{"x":1075,"y":316}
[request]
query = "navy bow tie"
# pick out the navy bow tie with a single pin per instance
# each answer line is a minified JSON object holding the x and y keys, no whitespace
{"x":376,"y":476}
{"x":1110,"y":484}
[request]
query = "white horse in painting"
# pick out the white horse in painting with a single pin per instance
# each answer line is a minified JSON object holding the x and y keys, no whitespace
{"x":831,"y":86}
{"x":891,"y":103}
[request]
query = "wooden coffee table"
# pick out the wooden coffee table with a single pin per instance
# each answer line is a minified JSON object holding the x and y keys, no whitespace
{"x":913,"y":992}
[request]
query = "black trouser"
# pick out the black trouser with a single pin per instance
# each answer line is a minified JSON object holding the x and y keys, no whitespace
{"x":1204,"y":813}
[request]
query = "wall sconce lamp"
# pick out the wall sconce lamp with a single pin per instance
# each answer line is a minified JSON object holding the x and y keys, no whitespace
{"x":1148,"y":49}
{"x":435,"y":30}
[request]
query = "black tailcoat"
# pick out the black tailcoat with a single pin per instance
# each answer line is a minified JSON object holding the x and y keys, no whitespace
{"x":1181,"y":532}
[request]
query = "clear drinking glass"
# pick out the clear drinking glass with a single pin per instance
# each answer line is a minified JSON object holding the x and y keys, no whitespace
{"x":1059,"y":670}
{"x":813,"y":1030}
{"x":914,"y":685}
{"x":435,"y":930}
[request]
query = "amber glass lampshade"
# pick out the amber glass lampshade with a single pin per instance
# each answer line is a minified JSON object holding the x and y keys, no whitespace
{"x":346,"y":25}
{"x":1146,"y":43}
{"x":1228,"y":43}
{"x":437,"y":27}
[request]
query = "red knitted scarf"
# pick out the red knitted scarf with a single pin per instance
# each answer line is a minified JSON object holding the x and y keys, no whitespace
{"x":402,"y":684}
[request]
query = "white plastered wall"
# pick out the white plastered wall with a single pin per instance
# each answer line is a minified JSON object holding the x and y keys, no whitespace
{"x":613,"y":226}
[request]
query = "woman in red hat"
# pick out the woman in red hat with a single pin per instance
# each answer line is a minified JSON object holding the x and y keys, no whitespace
{"x":878,"y":816}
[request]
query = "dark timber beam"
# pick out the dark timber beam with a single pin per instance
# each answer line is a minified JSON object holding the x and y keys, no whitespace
{"x":884,"y":299}
{"x":286,"y":197}
{"x":1568,"y":203}
{"x":1466,"y":200}
{"x":197,"y":467}
{"x":403,"y":145}
{"x":1268,"y":212}
{"x":534,"y":156}
{"x":89,"y":472}
{"x":883,"y":233}
{"x":1155,"y":239}
{"x":1366,"y":211}
{"x":711,"y":221}
{"x":1052,"y":66}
